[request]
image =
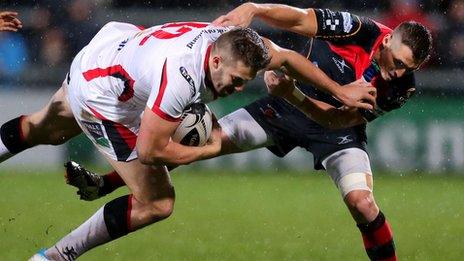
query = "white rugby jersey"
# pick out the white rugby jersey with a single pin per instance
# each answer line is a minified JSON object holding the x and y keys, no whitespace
{"x":163,"y":67}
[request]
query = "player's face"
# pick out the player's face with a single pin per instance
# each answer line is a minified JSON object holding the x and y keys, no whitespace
{"x":230,"y":76}
{"x":396,"y":58}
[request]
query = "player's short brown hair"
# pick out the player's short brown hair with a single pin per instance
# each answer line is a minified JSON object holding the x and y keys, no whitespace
{"x":417,"y":37}
{"x":246,"y":45}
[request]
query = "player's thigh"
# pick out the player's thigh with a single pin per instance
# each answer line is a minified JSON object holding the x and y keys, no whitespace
{"x":147,"y":183}
{"x":350,"y":170}
{"x":241,"y":132}
{"x":56,"y":115}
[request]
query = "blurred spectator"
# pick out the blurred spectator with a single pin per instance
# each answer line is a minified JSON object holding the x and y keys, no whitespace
{"x":53,"y":51}
{"x":40,"y":21}
{"x":79,"y":26}
{"x":366,"y":5}
{"x":452,"y":50}
{"x":406,"y":10}
{"x":13,"y":54}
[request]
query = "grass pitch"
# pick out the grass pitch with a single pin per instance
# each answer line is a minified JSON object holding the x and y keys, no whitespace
{"x":242,"y":216}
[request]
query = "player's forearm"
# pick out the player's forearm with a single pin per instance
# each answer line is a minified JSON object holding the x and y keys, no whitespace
{"x":301,"y":21}
{"x":324,"y":114}
{"x":300,"y":68}
{"x":175,"y":154}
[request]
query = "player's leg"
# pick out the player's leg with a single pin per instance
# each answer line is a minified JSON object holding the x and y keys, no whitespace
{"x":54,"y":124}
{"x":351,"y":172}
{"x":240,"y":132}
{"x":152,"y":200}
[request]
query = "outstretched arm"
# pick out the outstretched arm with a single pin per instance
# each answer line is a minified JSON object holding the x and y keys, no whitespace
{"x":358,"y":94}
{"x":301,"y":21}
{"x":9,"y":21}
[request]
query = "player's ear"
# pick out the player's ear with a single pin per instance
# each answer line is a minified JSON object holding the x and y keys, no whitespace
{"x":216,"y":61}
{"x":387,"y":40}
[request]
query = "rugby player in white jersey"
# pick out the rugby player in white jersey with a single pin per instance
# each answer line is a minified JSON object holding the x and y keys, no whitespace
{"x":127,"y":89}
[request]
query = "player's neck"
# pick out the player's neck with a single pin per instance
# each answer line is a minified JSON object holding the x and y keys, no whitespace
{"x":376,"y":55}
{"x":207,"y":68}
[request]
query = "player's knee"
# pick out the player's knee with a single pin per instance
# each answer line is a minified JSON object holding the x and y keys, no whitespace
{"x":162,"y":209}
{"x":362,"y":204}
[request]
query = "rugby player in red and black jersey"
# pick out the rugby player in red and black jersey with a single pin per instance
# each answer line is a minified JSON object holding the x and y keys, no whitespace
{"x":347,"y":48}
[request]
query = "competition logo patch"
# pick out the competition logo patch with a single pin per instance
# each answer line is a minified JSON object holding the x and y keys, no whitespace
{"x":96,"y":131}
{"x":188,"y":78}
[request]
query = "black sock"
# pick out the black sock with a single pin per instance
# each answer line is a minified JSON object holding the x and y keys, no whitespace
{"x":12,"y":136}
{"x":116,"y":214}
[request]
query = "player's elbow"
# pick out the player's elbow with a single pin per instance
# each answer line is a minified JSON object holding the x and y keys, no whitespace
{"x":145,"y":157}
{"x":148,"y":157}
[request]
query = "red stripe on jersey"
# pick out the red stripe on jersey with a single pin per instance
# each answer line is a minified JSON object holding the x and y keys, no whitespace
{"x":129,"y":137}
{"x":159,"y":98}
{"x":97,"y":114}
{"x":116,"y":71}
{"x":164,"y":115}
{"x":140,"y":27}
{"x":163,"y":84}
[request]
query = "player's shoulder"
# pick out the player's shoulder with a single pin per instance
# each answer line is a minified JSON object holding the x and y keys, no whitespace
{"x":343,"y":27}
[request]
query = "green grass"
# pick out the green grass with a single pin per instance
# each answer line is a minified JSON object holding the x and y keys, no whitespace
{"x":243,"y":216}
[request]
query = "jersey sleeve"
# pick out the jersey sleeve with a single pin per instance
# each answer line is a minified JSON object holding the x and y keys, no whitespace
{"x":342,"y":28}
{"x":390,"y":95}
{"x":171,"y":92}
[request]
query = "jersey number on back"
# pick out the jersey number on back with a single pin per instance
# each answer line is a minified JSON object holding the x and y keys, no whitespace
{"x":162,"y":34}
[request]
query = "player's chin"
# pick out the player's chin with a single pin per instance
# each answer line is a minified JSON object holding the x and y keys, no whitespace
{"x":226,"y":92}
{"x":386,"y":76}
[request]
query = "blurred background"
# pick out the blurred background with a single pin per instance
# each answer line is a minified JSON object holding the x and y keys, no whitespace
{"x":427,"y":134}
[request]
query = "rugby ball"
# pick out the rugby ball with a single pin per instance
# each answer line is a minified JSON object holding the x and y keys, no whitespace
{"x":195,"y":126}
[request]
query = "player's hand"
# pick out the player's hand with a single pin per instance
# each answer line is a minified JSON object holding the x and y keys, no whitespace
{"x":215,"y":141}
{"x":240,"y":16}
{"x":9,"y":21}
{"x":358,"y":94}
{"x":278,"y":85}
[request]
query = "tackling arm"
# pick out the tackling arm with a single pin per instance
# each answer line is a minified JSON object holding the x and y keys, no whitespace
{"x":357,"y":94}
{"x":325,"y":114}
{"x":301,"y":21}
{"x":155,"y":147}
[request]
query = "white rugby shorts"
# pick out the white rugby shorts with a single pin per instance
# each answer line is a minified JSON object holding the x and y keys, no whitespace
{"x":114,"y":139}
